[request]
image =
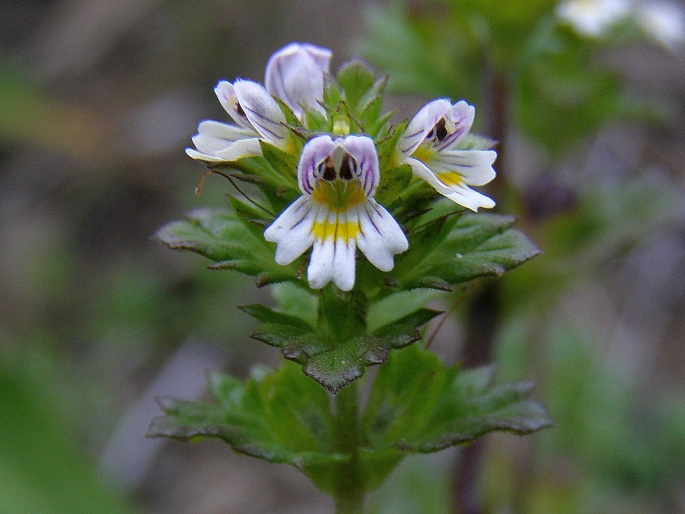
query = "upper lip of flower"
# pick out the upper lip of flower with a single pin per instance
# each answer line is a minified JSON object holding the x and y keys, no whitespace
{"x":438,"y":124}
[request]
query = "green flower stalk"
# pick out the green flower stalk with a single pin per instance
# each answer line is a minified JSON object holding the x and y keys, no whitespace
{"x":335,"y":175}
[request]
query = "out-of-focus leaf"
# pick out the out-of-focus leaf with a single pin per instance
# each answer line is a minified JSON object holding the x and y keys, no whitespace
{"x":562,"y":80}
{"x":419,"y":57}
{"x":39,"y":465}
{"x":31,"y":115}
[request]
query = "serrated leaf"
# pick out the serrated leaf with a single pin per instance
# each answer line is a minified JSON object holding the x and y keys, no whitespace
{"x":280,"y":417}
{"x":335,"y":362}
{"x":229,"y":240}
{"x":418,"y":404}
{"x":473,"y":246}
{"x":266,"y":315}
{"x":395,"y":306}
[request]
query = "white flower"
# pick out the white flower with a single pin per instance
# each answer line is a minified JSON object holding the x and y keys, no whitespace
{"x":337,"y":213}
{"x":428,"y":147}
{"x":663,"y":22}
{"x":593,"y":18}
{"x":295,"y":74}
{"x":257,"y":116}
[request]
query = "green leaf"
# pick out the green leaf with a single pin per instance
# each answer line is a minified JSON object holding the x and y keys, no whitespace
{"x":331,"y":96}
{"x":231,"y":241}
{"x":295,"y":300}
{"x":356,"y":79}
{"x":329,"y":358}
{"x":418,"y":404}
{"x":472,"y":246}
{"x":370,"y":116}
{"x":396,"y":306}
{"x":280,"y":416}
{"x":284,"y":162}
{"x":562,"y":78}
{"x":394,"y":183}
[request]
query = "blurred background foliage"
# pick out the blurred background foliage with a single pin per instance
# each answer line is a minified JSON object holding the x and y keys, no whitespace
{"x":98,"y":98}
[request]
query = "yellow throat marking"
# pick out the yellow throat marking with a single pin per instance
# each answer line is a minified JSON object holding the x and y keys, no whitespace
{"x":336,"y":229}
{"x":450,"y":178}
{"x":338,"y":196}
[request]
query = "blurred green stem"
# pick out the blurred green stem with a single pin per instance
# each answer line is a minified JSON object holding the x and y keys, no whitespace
{"x":349,"y":495}
{"x":483,"y":314}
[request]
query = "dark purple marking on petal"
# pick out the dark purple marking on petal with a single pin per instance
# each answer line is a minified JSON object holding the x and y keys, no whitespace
{"x":373,"y":223}
{"x":304,"y":216}
{"x":261,"y":125}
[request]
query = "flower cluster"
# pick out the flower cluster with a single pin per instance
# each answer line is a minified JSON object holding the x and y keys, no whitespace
{"x":338,"y":170}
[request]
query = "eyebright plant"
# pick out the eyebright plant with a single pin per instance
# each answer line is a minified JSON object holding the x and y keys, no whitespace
{"x":322,"y":171}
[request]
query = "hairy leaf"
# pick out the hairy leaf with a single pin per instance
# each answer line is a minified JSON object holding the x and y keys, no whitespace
{"x":228,"y":239}
{"x":335,"y":361}
{"x":418,"y":404}
{"x":280,"y":416}
{"x":461,"y":249}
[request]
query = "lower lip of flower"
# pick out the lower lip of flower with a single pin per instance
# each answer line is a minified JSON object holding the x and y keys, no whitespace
{"x":450,"y":178}
{"x":333,"y":230}
{"x":338,"y":195}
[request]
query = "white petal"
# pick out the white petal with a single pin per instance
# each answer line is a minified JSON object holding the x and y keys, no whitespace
{"x":214,"y":136}
{"x":664,"y":22}
{"x":292,"y":230}
{"x":593,"y":18}
{"x":320,"y":271}
{"x":262,"y":111}
{"x":464,"y":195}
{"x":239,"y":150}
{"x":461,"y":194}
{"x":225,"y":92}
{"x":473,"y":166}
{"x":343,"y":260}
{"x":380,"y":236}
{"x":295,"y":74}
{"x":191,"y":152}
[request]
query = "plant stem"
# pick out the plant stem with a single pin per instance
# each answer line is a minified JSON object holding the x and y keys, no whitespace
{"x":349,"y":495}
